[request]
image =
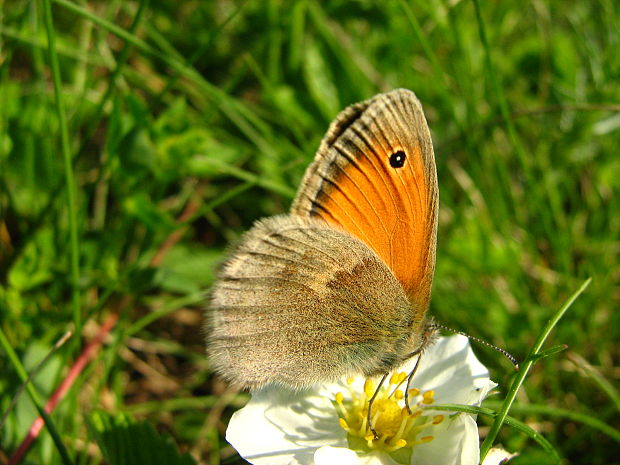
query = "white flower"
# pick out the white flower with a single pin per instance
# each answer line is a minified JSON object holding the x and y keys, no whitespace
{"x":498,"y":456}
{"x":326,"y":424}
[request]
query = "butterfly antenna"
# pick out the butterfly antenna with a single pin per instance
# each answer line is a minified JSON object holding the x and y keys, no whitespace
{"x":479,"y":341}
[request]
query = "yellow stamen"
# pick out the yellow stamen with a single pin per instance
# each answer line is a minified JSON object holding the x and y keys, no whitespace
{"x":428,"y":397}
{"x":396,"y":427}
{"x":398,"y":445}
{"x":340,"y":405}
{"x":369,"y":388}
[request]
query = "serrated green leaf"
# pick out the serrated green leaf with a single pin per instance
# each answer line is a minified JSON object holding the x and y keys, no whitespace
{"x":126,"y":442}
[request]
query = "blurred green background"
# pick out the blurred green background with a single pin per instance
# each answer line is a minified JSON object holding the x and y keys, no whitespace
{"x":187,"y":121}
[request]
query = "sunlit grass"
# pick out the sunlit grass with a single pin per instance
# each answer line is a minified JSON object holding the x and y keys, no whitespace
{"x":187,"y":121}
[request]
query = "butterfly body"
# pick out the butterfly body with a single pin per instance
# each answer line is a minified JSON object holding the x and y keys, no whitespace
{"x":341,"y":285}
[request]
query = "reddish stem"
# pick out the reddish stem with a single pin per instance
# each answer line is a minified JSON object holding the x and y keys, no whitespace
{"x":86,"y":356}
{"x":93,"y":346}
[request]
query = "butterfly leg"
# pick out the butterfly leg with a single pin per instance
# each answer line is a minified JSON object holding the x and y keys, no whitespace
{"x":415,"y":368}
{"x":370,"y":402}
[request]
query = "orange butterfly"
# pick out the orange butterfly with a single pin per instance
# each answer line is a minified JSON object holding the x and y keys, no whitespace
{"x":341,"y":286}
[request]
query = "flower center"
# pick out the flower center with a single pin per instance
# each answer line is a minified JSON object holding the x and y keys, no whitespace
{"x":395,"y":426}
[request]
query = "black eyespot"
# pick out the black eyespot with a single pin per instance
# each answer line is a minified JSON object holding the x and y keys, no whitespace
{"x":397,"y":159}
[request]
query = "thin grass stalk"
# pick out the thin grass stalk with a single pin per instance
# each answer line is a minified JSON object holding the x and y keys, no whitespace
{"x":513,"y":422}
{"x":525,"y":368}
{"x":36,"y":400}
{"x":503,"y":108}
{"x":245,"y":120}
{"x":556,"y":412}
{"x":74,"y":246}
{"x":120,"y":63}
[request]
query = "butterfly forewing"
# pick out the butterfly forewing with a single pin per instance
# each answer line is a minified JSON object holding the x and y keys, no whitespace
{"x":374,"y":176}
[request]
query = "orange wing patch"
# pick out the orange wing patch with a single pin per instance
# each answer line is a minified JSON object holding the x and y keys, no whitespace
{"x":378,"y":207}
{"x":393,"y":209}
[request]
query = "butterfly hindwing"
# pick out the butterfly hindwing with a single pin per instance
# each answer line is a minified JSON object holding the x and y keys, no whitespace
{"x":292,"y":286}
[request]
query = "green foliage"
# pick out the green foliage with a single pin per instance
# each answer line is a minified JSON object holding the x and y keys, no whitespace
{"x":126,"y":442}
{"x":187,"y":121}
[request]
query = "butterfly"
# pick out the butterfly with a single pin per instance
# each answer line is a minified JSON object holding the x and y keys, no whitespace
{"x":341,"y":285}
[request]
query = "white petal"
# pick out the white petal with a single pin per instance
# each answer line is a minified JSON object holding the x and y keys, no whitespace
{"x":456,"y":443}
{"x":497,"y":456}
{"x":451,"y":369}
{"x":279,"y":426}
{"x":342,"y":456}
{"x":328,"y":455}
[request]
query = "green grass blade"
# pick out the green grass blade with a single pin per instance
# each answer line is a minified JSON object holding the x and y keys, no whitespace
{"x":501,"y":102}
{"x":124,"y":441}
{"x":244,"y":175}
{"x":168,"y":308}
{"x":524,"y":370}
{"x":579,"y":417}
{"x":234,"y":110}
{"x":120,"y":63}
{"x":32,"y":374}
{"x":172,"y":80}
{"x":595,"y":375}
{"x":36,"y":398}
{"x":74,"y":245}
{"x":513,"y":422}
